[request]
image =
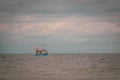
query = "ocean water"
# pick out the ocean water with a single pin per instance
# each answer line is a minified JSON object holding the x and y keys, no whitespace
{"x":60,"y":67}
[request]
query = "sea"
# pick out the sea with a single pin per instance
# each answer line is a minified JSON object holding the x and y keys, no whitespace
{"x":83,"y":66}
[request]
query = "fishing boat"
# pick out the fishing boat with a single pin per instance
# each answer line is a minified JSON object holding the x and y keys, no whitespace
{"x":42,"y":52}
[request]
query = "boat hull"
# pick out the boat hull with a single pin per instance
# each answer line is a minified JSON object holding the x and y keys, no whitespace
{"x":45,"y":54}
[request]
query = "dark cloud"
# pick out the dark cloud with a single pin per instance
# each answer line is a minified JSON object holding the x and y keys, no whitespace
{"x":104,"y":8}
{"x":46,"y":6}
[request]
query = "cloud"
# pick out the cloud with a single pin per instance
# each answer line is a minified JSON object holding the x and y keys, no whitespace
{"x":24,"y":9}
{"x":88,"y":7}
{"x":65,"y":27}
{"x":60,"y":22}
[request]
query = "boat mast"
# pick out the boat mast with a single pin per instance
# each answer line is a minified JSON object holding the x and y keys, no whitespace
{"x":43,"y":45}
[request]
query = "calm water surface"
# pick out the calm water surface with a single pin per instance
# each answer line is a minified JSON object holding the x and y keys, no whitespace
{"x":60,"y":67}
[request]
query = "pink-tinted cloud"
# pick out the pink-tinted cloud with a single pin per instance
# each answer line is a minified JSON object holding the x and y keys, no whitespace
{"x":69,"y":27}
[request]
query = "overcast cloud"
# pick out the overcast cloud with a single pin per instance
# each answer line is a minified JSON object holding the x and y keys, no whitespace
{"x":64,"y":26}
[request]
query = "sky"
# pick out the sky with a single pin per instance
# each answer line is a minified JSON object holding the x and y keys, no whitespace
{"x":60,"y":26}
